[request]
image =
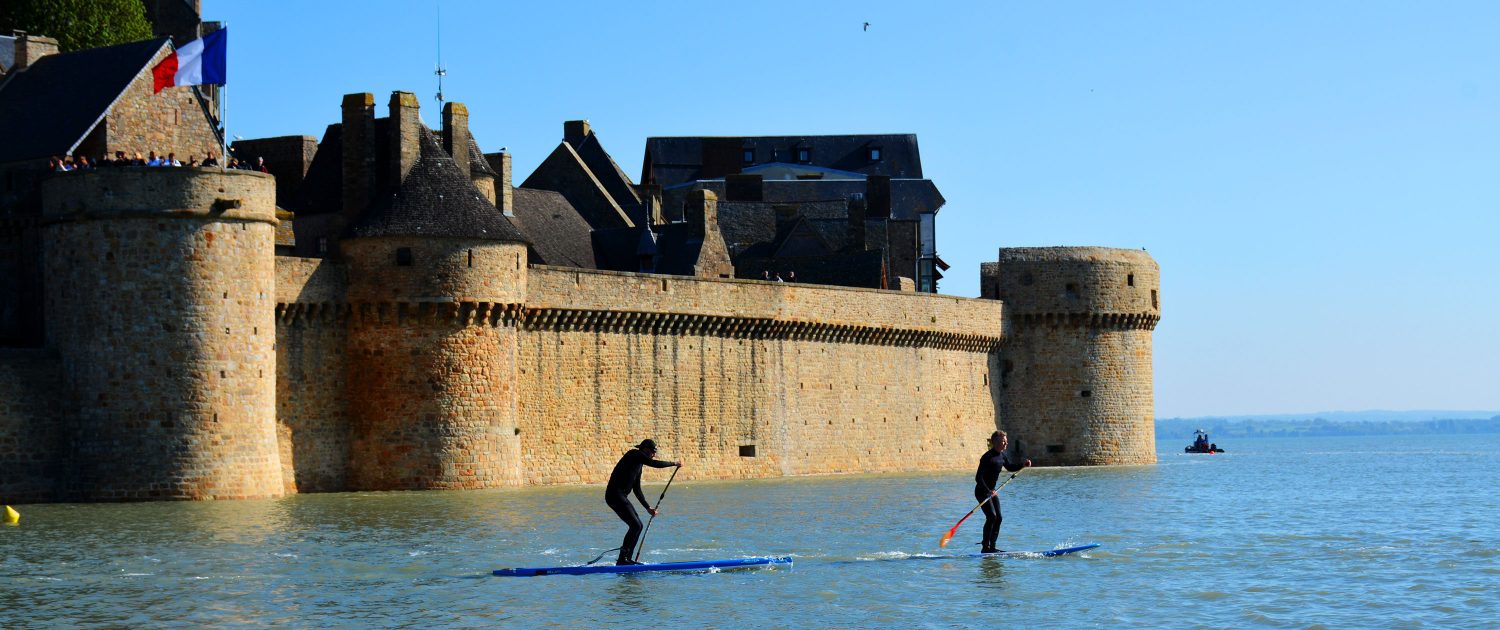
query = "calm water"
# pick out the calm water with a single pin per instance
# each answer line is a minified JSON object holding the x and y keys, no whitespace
{"x":1336,"y":532}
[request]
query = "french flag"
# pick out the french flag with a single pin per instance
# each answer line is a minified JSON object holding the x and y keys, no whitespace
{"x":198,"y":62}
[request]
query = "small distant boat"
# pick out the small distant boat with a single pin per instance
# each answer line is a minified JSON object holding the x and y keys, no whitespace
{"x":1201,"y":444}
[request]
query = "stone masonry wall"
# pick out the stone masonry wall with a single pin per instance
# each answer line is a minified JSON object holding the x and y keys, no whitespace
{"x":749,"y":379}
{"x":31,"y":427}
{"x":1076,"y":374}
{"x":169,"y":121}
{"x":159,"y":300}
{"x":312,"y":407}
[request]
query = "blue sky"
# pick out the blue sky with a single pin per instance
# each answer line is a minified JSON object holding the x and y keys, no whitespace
{"x":1317,"y":180}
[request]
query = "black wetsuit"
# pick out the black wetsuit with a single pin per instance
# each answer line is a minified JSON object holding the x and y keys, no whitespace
{"x":985,"y":480}
{"x":625,"y":479}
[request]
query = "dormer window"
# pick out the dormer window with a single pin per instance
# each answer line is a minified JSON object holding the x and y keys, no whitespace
{"x":749,"y":156}
{"x":804,"y":155}
{"x":874,"y":154}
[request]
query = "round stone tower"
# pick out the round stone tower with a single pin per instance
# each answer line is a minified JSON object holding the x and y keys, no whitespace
{"x":160,"y":303}
{"x":436,"y":277}
{"x":1075,"y":363}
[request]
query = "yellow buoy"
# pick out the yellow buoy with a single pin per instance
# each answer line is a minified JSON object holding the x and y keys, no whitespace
{"x":12,"y":517}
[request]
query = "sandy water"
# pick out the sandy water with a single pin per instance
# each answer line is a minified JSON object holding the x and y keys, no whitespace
{"x":1325,"y":532}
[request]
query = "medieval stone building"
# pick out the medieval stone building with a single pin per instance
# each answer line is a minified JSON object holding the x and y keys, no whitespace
{"x":386,"y":310}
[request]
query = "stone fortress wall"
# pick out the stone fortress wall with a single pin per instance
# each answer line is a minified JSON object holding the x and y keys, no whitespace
{"x":1076,"y":379}
{"x":195,"y":364}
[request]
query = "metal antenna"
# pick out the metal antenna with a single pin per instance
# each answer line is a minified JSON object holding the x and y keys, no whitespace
{"x":440,"y":71}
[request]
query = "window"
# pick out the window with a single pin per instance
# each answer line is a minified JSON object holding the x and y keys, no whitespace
{"x":1130,"y":279}
{"x":1086,"y":393}
{"x":747,"y":450}
{"x":322,"y":245}
{"x":749,"y":156}
{"x":874,"y":154}
{"x":1055,"y":448}
{"x":804,"y":155}
{"x":1072,"y":289}
{"x":1153,"y":299}
{"x":403,"y":256}
{"x":471,"y":258}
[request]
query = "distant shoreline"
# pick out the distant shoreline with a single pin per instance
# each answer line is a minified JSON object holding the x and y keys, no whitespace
{"x":1222,"y":428}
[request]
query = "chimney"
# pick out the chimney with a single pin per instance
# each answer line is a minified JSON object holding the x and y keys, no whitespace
{"x":505,"y":196}
{"x":651,"y":198}
{"x":878,"y":196}
{"x":742,"y":187}
{"x":359,"y":152}
{"x":456,"y":134}
{"x":856,"y":223}
{"x":30,"y":48}
{"x":576,"y":131}
{"x":786,"y":215}
{"x":406,"y":137}
{"x":703,"y":211}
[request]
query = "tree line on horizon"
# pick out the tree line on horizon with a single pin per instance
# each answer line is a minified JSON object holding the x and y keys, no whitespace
{"x":1219,"y":429}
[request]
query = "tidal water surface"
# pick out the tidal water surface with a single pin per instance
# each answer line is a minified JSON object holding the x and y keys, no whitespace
{"x":1323,"y":532}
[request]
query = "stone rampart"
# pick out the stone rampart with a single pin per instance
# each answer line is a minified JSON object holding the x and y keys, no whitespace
{"x":312,"y":407}
{"x":750,"y":379}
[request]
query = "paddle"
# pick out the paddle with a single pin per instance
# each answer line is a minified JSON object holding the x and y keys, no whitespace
{"x":653,"y":516}
{"x":949,"y":536}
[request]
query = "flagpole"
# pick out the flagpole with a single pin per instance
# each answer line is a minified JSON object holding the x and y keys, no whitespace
{"x":224,"y":111}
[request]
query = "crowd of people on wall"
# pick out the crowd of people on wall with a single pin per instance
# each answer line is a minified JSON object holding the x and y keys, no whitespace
{"x":63,"y":164}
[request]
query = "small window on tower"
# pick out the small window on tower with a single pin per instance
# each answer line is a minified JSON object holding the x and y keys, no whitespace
{"x":804,"y":155}
{"x":874,"y":154}
{"x":1130,"y":279}
{"x":749,"y":156}
{"x":747,"y":450}
{"x":1072,"y":289}
{"x":322,"y":245}
{"x":403,"y":256}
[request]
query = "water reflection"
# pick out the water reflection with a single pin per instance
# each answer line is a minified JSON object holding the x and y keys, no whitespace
{"x":991,"y":573}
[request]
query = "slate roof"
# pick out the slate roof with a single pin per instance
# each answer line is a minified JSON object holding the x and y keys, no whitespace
{"x":669,"y":161}
{"x":609,"y":174}
{"x":477,"y":161}
{"x":558,"y":234}
{"x":52,"y":105}
{"x":435,"y":199}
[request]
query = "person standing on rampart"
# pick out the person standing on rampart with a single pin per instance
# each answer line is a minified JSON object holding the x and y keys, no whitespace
{"x":625,"y":479}
{"x":985,"y":480}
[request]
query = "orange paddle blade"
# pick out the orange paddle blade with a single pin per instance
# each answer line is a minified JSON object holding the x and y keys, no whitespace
{"x":946,"y":537}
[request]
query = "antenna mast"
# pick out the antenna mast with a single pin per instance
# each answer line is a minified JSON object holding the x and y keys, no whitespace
{"x":440,"y":71}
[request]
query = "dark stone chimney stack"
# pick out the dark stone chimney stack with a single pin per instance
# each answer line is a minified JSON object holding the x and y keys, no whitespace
{"x":456,"y":134}
{"x":878,"y":196}
{"x":703,"y":211}
{"x":857,"y":223}
{"x":505,"y":195}
{"x":358,"y":137}
{"x":576,"y":131}
{"x":406,"y":136}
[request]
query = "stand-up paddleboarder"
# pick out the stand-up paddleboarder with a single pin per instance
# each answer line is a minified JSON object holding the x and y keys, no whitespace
{"x":626,"y":478}
{"x":990,"y":465}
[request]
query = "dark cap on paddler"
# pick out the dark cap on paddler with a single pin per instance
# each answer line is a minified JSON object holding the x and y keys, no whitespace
{"x":647,"y":445}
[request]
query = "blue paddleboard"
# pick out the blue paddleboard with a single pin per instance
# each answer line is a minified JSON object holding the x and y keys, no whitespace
{"x":1022,"y":554}
{"x":700,"y":565}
